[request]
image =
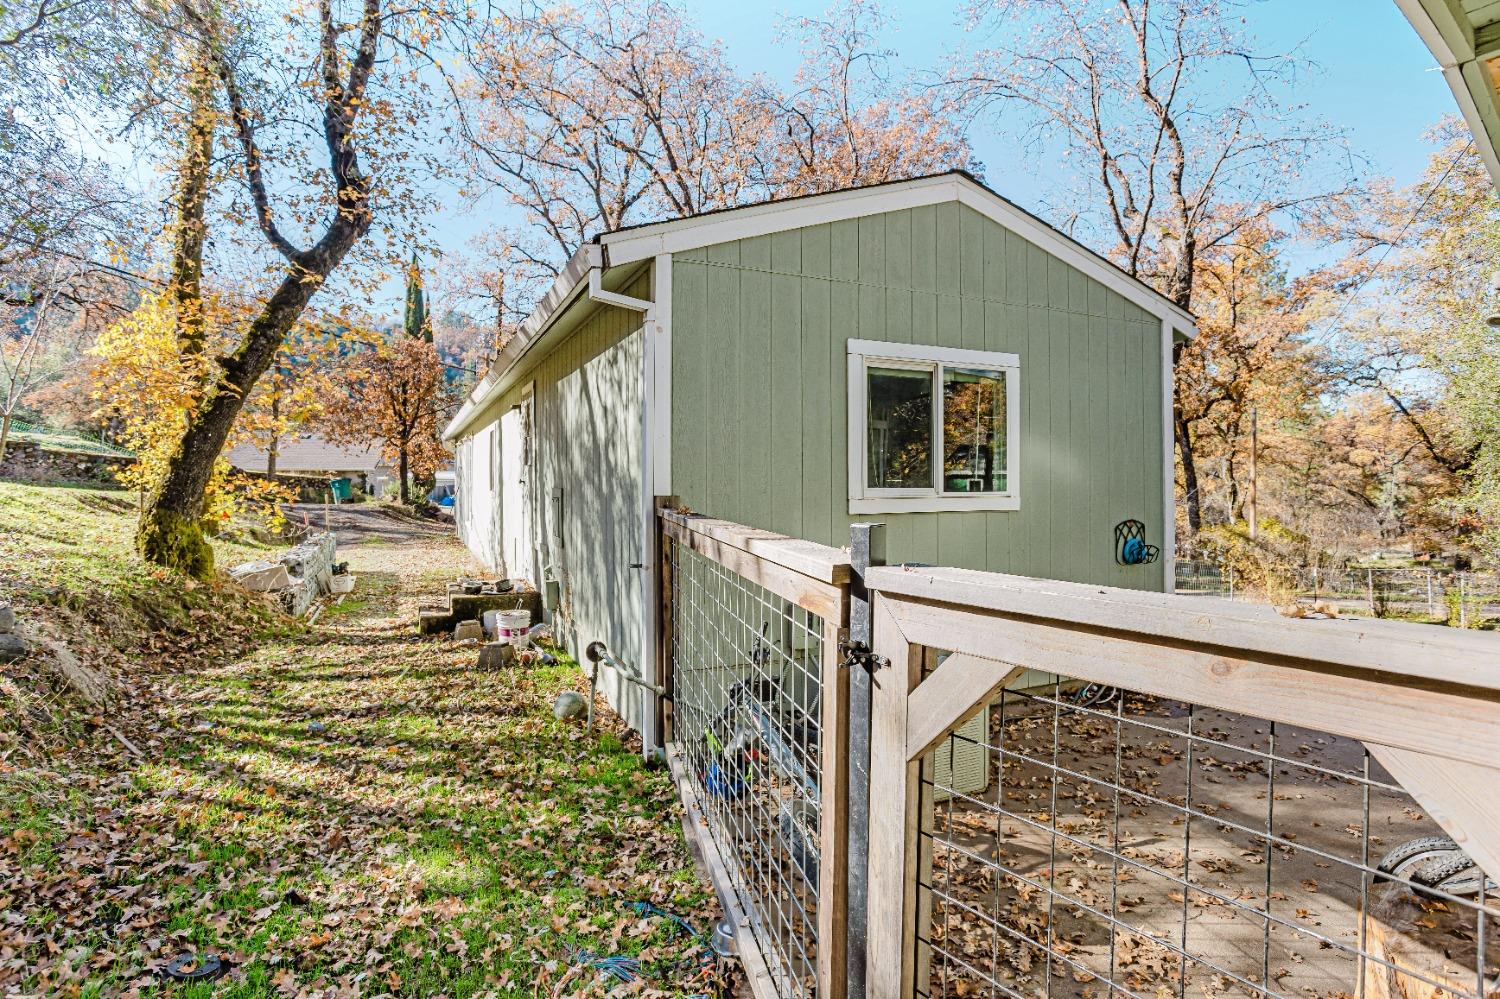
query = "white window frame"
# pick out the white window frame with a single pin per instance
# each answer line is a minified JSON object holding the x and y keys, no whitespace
{"x":923,"y":357}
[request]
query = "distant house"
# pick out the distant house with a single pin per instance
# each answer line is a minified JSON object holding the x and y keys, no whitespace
{"x":922,"y":353}
{"x":314,"y":456}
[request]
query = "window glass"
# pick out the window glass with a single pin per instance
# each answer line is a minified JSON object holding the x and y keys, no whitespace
{"x":974,"y":459}
{"x":900,"y":428}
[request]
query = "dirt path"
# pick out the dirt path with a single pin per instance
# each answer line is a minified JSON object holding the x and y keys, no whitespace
{"x":350,"y":810}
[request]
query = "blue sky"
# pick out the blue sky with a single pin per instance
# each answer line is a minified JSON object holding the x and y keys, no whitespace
{"x":1376,"y":79}
{"x":1373,"y":78}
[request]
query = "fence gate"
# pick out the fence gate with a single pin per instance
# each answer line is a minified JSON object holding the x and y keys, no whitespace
{"x":757,"y":738}
{"x":1104,"y":794}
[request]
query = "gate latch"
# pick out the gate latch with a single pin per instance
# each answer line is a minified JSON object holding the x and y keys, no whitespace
{"x":859,"y":654}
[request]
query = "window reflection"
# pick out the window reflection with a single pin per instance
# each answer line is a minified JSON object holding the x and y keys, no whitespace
{"x":973,"y":430}
{"x":900,"y":428}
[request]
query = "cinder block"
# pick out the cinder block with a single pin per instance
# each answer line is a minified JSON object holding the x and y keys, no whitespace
{"x":465,"y":630}
{"x":494,"y":655}
{"x":262,"y":577}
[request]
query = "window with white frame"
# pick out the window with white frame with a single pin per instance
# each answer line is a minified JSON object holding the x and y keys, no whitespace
{"x":931,"y":428}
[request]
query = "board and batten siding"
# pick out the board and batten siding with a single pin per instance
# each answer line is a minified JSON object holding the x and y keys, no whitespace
{"x":759,"y":386}
{"x":588,"y":409}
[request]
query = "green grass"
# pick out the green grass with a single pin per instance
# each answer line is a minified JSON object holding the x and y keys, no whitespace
{"x":346,"y":807}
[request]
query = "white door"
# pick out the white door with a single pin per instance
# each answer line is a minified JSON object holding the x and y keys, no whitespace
{"x":516,"y":481}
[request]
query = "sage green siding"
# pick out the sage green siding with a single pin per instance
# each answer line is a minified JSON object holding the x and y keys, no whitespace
{"x":759,"y":376}
{"x":586,"y":513}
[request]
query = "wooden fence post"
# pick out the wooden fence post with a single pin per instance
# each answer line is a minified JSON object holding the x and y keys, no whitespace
{"x":663,"y":620}
{"x":833,"y":810}
{"x":866,"y":548}
{"x":891,"y":948}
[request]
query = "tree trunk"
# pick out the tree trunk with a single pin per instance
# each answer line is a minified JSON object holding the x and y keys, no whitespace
{"x":275,"y":442}
{"x":403,"y":463}
{"x":4,"y":434}
{"x":1189,"y":474}
{"x":171,"y":532}
{"x":189,"y":228}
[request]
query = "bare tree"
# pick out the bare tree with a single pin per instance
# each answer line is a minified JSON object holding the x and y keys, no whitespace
{"x":38,"y":320}
{"x":618,"y":111}
{"x":1172,"y":116}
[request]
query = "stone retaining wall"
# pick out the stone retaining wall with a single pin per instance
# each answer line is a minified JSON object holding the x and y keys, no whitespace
{"x":27,"y":461}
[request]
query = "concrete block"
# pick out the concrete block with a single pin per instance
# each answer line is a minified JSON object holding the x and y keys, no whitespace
{"x":494,"y":655}
{"x":465,"y":630}
{"x":313,"y":560}
{"x":12,"y":646}
{"x":262,"y":577}
{"x":7,"y":619}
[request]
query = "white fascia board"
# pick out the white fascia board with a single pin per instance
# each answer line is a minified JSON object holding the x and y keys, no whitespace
{"x":1465,"y":81}
{"x":1449,"y":36}
{"x":570,"y":281}
{"x":1445,"y":31}
{"x":697,"y":231}
{"x":837,"y":206}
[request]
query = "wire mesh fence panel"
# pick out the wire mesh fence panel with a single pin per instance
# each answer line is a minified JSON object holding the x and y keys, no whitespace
{"x":747,"y":674}
{"x":1122,"y":844}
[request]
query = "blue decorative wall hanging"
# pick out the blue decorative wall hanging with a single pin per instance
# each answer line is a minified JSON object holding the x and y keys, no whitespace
{"x":1130,"y":544}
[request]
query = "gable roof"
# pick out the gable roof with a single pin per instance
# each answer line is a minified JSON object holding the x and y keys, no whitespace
{"x":723,"y":225}
{"x":637,"y":243}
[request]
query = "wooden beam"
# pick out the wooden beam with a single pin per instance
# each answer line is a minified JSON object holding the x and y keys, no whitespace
{"x":955,"y":692}
{"x":701,"y":842}
{"x":894,"y":782}
{"x":820,"y":562}
{"x":1460,"y":797}
{"x":1405,"y":649}
{"x":826,"y":600}
{"x":1440,"y":720}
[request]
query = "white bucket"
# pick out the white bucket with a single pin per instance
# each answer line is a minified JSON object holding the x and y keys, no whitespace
{"x":511,"y":626}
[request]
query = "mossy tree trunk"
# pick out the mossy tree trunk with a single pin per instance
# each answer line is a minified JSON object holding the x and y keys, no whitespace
{"x":171,"y":528}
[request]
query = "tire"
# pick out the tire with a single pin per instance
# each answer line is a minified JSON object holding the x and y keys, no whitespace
{"x":1454,"y":873}
{"x":1406,"y":856}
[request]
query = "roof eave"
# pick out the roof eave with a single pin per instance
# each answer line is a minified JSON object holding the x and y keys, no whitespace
{"x":570,"y":282}
{"x":1470,"y":65}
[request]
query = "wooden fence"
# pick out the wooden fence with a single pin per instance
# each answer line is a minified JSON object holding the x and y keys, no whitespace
{"x":1079,"y":790}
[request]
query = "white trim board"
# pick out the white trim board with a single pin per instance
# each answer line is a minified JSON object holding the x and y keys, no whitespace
{"x":696,"y":232}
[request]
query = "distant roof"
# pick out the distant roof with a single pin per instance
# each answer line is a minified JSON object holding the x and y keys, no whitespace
{"x":309,"y":453}
{"x":1464,"y":36}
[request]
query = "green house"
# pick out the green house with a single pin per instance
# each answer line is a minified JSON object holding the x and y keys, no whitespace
{"x":922,"y":353}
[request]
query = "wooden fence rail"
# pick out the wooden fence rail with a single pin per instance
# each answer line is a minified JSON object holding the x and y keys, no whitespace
{"x":1425,"y":702}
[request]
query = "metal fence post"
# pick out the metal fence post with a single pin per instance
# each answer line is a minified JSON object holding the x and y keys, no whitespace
{"x":1431,"y":607}
{"x":1463,"y":606}
{"x":866,"y":548}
